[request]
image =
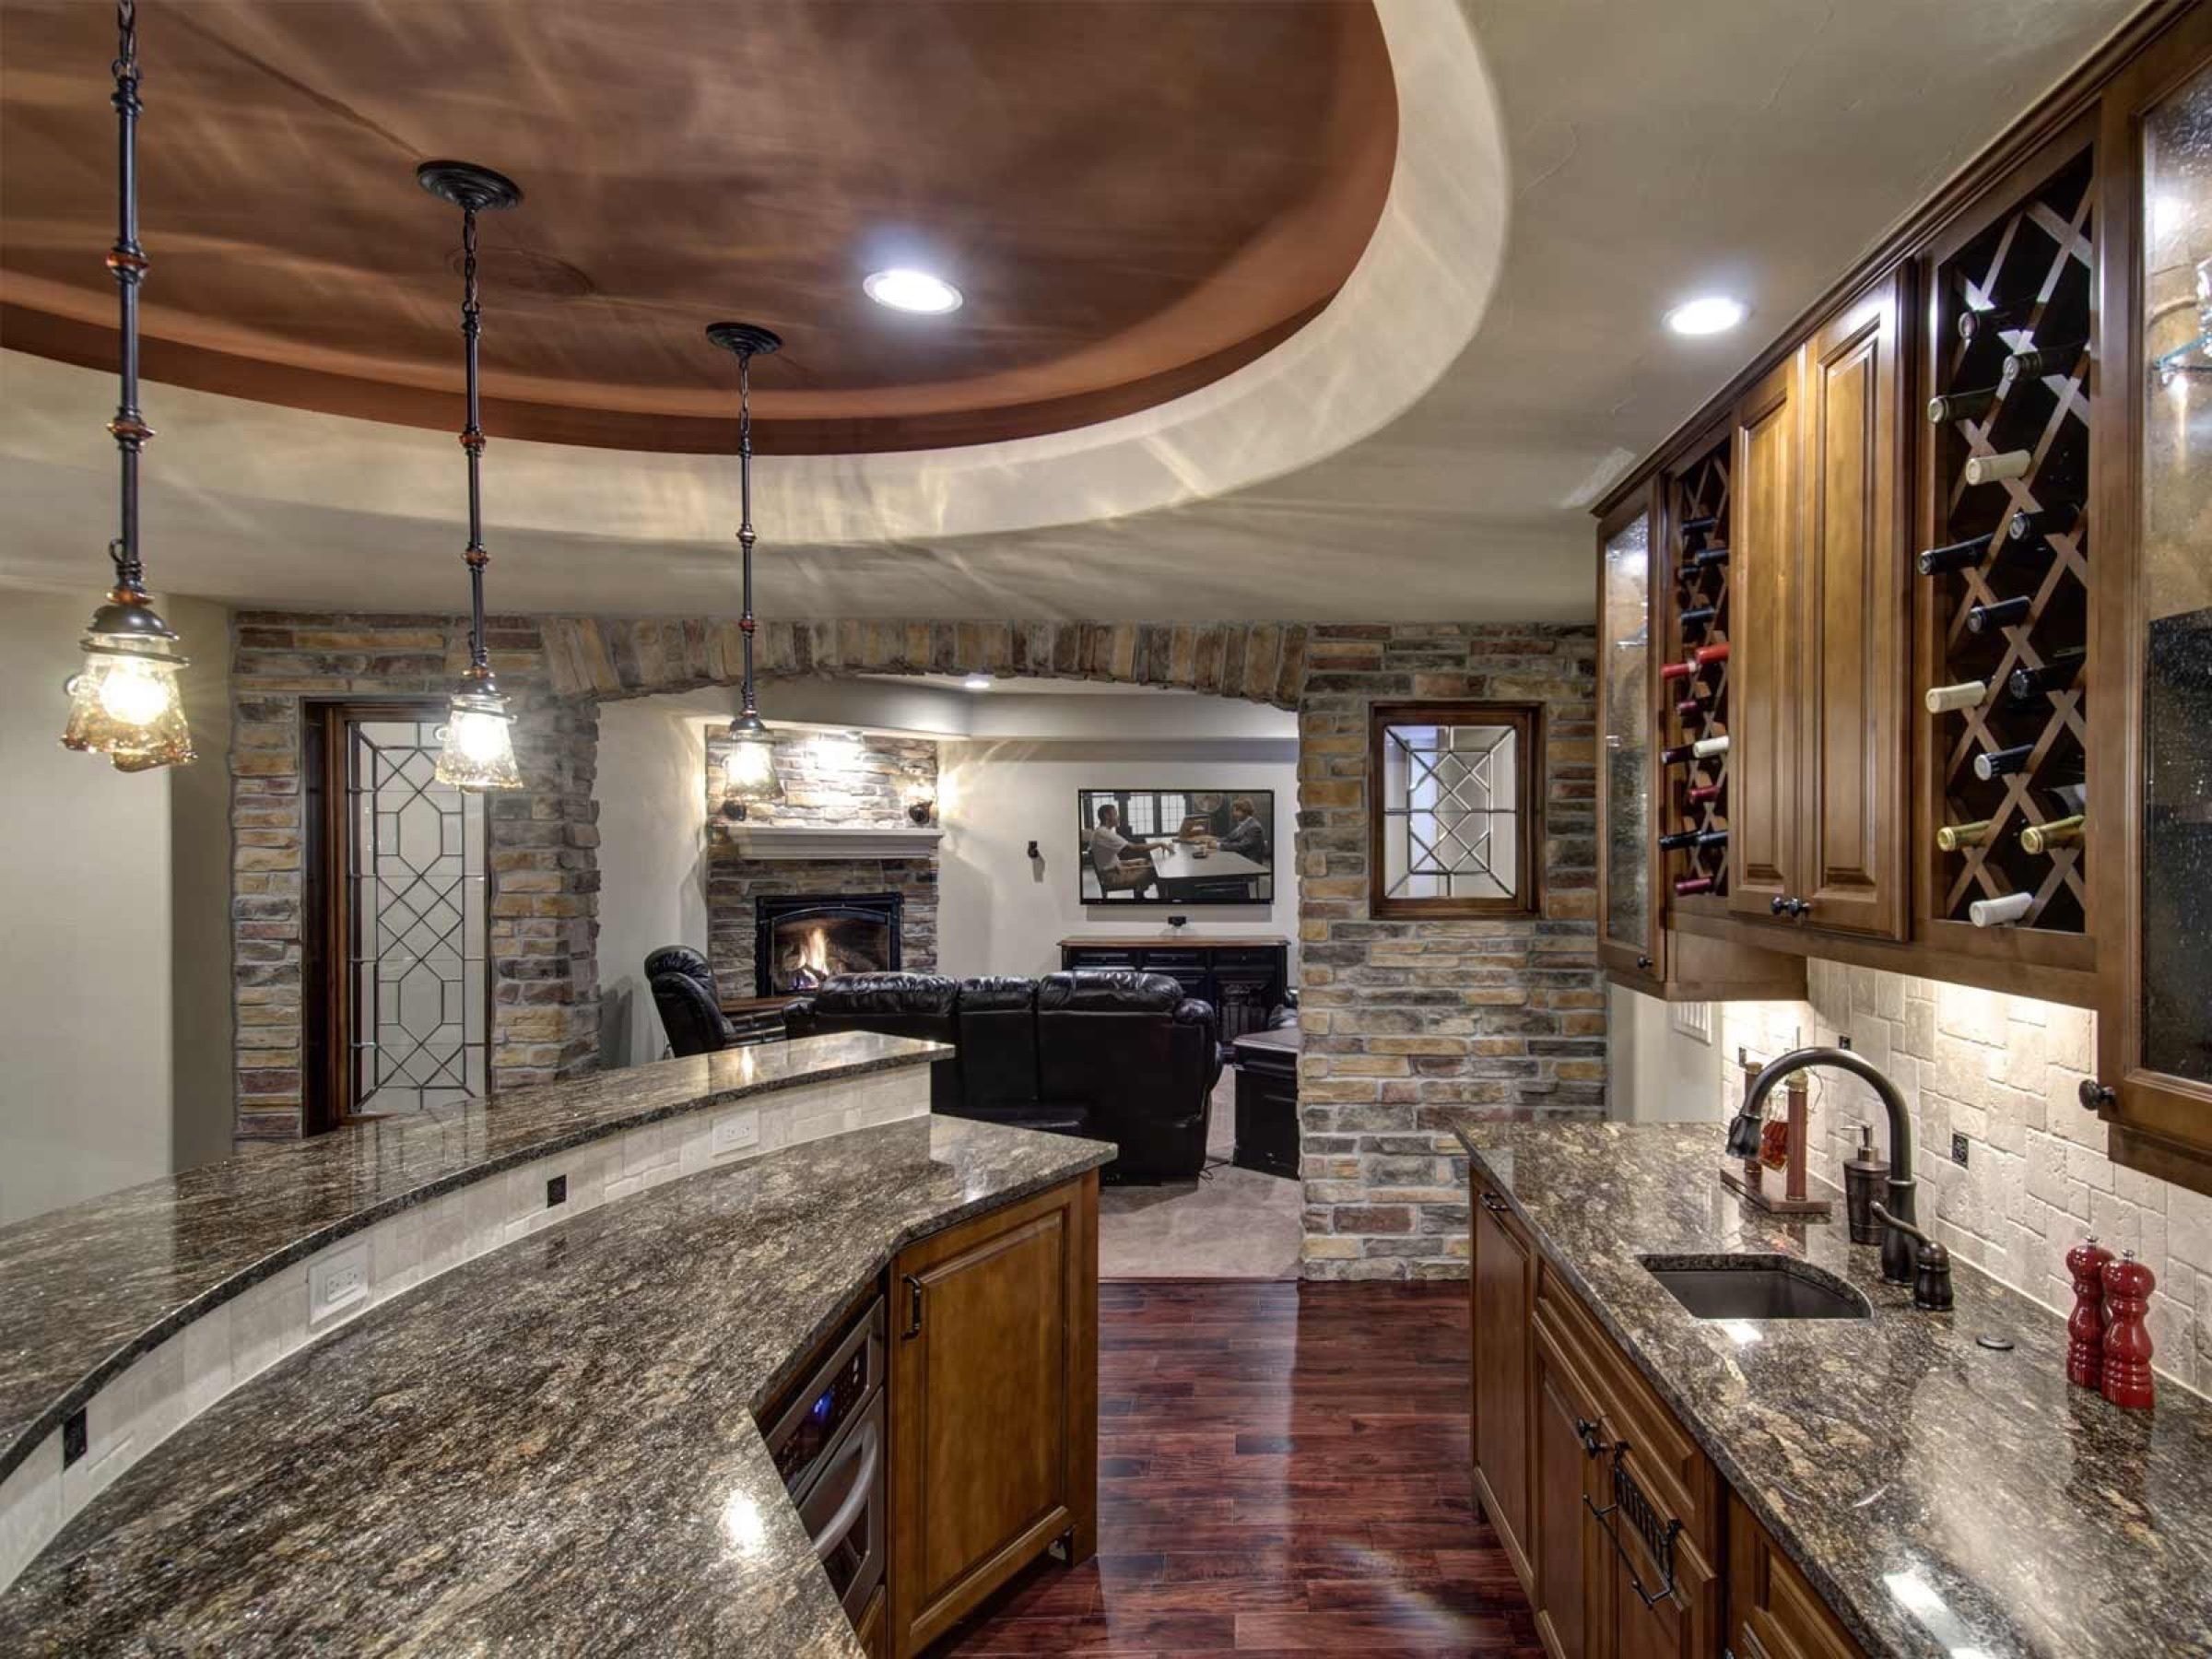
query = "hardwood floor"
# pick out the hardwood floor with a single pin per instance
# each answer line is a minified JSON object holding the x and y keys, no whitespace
{"x":1283,"y":1469}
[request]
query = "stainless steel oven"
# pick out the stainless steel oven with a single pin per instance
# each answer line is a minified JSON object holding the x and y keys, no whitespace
{"x":827,"y":1437}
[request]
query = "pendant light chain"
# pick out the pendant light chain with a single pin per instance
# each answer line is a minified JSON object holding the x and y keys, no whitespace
{"x":744,"y":516}
{"x":127,"y":260}
{"x":472,"y":440}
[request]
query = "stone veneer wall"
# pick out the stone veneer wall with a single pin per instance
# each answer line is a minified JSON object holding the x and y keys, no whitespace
{"x":2003,"y":1072}
{"x":1404,"y":1020}
{"x":542,"y":842}
{"x":1407,"y":1020}
{"x":827,"y":780}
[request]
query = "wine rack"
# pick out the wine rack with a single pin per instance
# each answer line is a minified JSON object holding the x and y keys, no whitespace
{"x":2007,"y":595}
{"x":1697,"y":790}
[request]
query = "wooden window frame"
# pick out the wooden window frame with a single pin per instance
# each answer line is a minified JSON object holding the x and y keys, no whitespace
{"x":1527,"y":719}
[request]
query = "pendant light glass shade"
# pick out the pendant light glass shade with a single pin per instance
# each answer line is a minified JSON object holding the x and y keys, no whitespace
{"x":748,"y":771}
{"x":125,"y":703}
{"x":477,"y":744}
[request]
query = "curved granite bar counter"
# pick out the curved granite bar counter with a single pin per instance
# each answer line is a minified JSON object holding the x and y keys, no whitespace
{"x":1945,"y":1498}
{"x":549,"y":1449}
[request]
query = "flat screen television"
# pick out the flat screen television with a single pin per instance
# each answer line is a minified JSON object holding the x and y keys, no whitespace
{"x":1176,"y":846}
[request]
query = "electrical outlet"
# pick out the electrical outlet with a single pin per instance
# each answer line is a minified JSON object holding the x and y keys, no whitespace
{"x":556,"y":1191}
{"x":1958,"y":1150}
{"x":337,"y":1282}
{"x":734,"y":1131}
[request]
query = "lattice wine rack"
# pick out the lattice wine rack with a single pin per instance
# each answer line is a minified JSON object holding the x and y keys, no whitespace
{"x":1694,"y":697}
{"x":2007,"y":584}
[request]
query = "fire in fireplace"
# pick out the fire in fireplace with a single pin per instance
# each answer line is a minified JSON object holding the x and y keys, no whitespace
{"x":802,"y":939}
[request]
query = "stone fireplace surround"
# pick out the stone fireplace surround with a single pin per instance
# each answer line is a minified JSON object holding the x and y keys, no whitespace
{"x":1404,"y":1022}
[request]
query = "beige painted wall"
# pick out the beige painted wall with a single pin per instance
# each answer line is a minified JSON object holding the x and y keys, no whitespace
{"x":1000,"y":912}
{"x":84,"y":953}
{"x":202,"y":1078}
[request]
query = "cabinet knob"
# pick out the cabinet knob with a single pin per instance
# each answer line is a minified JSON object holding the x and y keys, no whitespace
{"x":1644,"y":961}
{"x":1495,"y":1204}
{"x":2096,"y":1096}
{"x":1778,"y":906}
{"x":1586,"y":1431}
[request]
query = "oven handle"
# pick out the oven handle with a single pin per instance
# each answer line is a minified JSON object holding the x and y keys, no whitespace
{"x":826,"y":1541}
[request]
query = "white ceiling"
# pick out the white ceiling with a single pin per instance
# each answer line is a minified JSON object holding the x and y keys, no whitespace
{"x":1650,"y":152}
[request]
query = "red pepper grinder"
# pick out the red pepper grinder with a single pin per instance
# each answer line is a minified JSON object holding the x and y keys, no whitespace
{"x":2085,"y":1329}
{"x":2127,"y":1288}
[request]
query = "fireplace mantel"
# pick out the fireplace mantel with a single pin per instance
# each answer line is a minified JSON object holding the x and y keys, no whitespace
{"x":835,"y":840}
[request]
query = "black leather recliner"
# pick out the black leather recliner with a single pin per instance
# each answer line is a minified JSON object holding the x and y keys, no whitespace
{"x":1125,"y":1057}
{"x":683,"y":990}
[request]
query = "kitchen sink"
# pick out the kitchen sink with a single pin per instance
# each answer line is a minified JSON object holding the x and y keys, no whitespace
{"x":1756,"y":1287}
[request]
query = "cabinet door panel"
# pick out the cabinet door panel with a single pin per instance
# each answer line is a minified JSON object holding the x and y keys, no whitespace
{"x":1502,"y":1272}
{"x":1569,"y":1552}
{"x":1853,"y":621}
{"x":1764,"y":674}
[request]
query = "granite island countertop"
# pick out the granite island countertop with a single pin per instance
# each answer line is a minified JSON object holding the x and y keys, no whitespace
{"x":86,"y":1289}
{"x":1945,"y":1499}
{"x":549,"y":1449}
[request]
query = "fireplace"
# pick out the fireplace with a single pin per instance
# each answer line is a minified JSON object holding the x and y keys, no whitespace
{"x":801,"y":940}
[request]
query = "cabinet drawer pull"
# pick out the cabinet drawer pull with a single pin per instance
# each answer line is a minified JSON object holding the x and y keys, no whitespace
{"x":2096,"y":1096}
{"x":913,"y":1308}
{"x":1586,"y":1431}
{"x":1658,"y":1536}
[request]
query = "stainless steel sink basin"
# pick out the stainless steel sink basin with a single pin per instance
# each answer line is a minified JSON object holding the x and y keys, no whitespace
{"x":1756,"y":1287}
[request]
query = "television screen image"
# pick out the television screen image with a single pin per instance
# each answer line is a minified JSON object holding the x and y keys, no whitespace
{"x":1176,"y":846}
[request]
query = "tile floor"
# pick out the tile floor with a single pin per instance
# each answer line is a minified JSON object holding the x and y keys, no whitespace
{"x":1233,"y":1224}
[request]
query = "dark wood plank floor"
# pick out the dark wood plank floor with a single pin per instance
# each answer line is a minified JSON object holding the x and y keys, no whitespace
{"x":1283,"y":1468}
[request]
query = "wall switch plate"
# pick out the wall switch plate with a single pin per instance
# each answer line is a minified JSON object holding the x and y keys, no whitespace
{"x":734,"y":1131}
{"x":337,"y":1282}
{"x":1958,"y":1150}
{"x":556,"y":1191}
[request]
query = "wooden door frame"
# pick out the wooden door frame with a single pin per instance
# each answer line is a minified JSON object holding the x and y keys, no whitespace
{"x":327,"y":920}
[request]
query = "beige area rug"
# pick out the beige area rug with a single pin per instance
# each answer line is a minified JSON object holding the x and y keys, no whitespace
{"x":1235,"y":1224}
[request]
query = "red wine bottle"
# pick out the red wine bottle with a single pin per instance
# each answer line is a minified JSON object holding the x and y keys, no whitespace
{"x":1702,"y":792}
{"x":1704,"y":656}
{"x":1698,"y":617}
{"x":2061,"y":518}
{"x":1688,"y":885}
{"x":1676,"y":671}
{"x":1677,"y":754}
{"x":2056,"y":674}
{"x":2004,"y":613}
{"x":1689,"y":708}
{"x":1963,"y":405}
{"x":1957,"y":556}
{"x":2040,"y":360}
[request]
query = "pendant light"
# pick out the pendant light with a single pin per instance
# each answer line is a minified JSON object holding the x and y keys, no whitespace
{"x":125,"y":703}
{"x":476,"y":747}
{"x":749,"y":773}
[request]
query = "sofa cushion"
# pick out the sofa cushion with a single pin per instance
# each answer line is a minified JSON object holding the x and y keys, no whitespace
{"x":851,"y":995}
{"x":1101,"y":991}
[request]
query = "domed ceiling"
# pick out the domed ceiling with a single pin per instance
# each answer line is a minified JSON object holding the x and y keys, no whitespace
{"x":1137,"y":199}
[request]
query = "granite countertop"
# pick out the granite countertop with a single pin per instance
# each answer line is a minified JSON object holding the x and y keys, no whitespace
{"x":549,"y":1450}
{"x":83,"y":1290}
{"x":1945,"y":1499}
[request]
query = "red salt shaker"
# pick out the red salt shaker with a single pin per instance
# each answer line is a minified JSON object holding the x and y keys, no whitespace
{"x":2085,"y":1328}
{"x":2127,"y":1288}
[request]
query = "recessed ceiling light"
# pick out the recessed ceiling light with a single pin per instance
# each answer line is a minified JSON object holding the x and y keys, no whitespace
{"x":905,"y":290}
{"x":977,"y":682}
{"x":1713,"y":313}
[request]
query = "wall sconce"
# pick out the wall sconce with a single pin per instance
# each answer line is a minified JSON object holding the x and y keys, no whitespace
{"x":919,"y":810}
{"x":1034,"y":852}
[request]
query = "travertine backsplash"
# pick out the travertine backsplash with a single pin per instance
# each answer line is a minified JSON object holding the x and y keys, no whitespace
{"x":2002,"y":1071}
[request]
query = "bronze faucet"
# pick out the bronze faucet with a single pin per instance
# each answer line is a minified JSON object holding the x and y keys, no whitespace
{"x":1897,"y":1214}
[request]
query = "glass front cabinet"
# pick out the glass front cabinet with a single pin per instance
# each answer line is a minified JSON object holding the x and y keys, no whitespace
{"x":1631,"y":942}
{"x":2154,"y":1027}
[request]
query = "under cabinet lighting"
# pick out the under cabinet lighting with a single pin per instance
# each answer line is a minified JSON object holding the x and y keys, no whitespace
{"x":978,"y":682}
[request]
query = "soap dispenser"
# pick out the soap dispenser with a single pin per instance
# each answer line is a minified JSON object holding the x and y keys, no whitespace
{"x":1863,"y":1178}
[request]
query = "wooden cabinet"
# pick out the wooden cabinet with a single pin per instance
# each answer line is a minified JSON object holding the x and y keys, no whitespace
{"x":1571,"y":1597}
{"x":993,"y":1424}
{"x":1764,"y":672}
{"x":1504,"y":1283}
{"x":1245,"y":977}
{"x":1772,"y":1612}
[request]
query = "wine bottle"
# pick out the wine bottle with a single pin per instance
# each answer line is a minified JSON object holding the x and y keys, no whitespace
{"x":2004,"y":613}
{"x":1994,"y":913}
{"x":2058,"y":832}
{"x":1681,"y":840}
{"x":1699,"y":526}
{"x":1712,"y":838}
{"x":1689,"y":708}
{"x":1698,"y":617}
{"x":1957,"y":556}
{"x":1687,"y":885}
{"x":2061,"y":518}
{"x":1992,"y":764}
{"x":1674,"y":671}
{"x":1963,"y":405}
{"x":1704,"y":656}
{"x":1706,"y":558}
{"x":1677,"y":754}
{"x":1952,"y":837}
{"x":1980,"y":322}
{"x":1702,"y":792}
{"x":2056,"y":674}
{"x":1966,"y":694}
{"x":1994,"y":469}
{"x":1705,"y":749}
{"x":2040,"y":360}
